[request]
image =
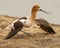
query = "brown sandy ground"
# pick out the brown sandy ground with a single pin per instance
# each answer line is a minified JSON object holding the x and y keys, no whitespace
{"x":39,"y":38}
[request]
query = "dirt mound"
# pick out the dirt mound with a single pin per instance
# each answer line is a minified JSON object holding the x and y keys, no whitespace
{"x":39,"y":38}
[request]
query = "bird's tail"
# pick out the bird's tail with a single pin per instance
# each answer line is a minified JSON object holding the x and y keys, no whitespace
{"x":12,"y":33}
{"x":52,"y":32}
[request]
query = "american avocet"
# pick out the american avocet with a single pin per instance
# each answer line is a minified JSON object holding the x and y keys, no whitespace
{"x":18,"y":24}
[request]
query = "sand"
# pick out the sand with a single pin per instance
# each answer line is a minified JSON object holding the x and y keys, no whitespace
{"x":39,"y":38}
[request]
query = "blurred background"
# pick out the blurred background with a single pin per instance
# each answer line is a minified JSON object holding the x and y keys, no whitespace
{"x":22,"y":8}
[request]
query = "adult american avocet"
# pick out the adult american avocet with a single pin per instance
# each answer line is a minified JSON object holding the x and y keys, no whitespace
{"x":18,"y":24}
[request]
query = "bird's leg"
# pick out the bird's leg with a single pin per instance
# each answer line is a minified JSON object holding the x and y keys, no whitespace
{"x":26,"y":33}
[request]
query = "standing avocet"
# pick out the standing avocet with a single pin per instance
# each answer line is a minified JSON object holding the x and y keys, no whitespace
{"x":18,"y":24}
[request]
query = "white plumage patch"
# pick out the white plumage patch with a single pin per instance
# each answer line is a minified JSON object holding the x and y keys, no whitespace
{"x":23,"y":20}
{"x":12,"y":25}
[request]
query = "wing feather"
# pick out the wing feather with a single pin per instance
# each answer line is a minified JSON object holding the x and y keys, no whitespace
{"x":18,"y":27}
{"x":44,"y":25}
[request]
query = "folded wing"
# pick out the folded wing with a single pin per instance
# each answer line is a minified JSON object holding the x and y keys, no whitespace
{"x":17,"y":27}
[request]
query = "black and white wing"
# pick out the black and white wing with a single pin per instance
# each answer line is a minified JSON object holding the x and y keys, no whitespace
{"x":18,"y":25}
{"x":44,"y":25}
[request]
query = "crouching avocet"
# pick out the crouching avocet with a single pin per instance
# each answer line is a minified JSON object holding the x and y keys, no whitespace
{"x":18,"y":24}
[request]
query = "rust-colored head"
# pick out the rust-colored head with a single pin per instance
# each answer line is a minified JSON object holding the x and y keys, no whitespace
{"x":35,"y":8}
